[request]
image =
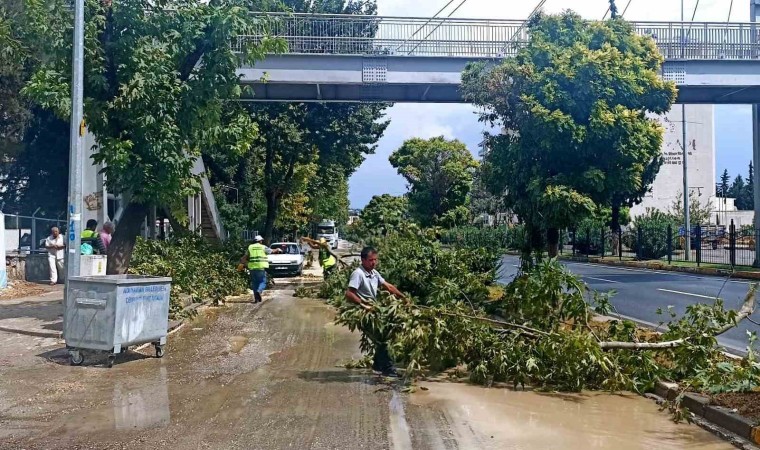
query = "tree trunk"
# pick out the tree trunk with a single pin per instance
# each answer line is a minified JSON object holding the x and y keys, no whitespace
{"x":552,"y":240}
{"x":273,"y":203}
{"x":124,"y":238}
{"x":177,"y":228}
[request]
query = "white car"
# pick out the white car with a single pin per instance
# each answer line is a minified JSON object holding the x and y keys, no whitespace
{"x":289,"y":261}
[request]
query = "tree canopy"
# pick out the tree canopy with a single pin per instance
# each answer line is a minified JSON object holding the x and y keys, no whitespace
{"x":439,"y":175}
{"x":384,"y":213}
{"x":159,"y":80}
{"x":306,"y":169}
{"x":573,"y":105}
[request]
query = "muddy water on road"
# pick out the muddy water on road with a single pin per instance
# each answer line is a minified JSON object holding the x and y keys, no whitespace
{"x":266,"y":378}
{"x":463,"y":416}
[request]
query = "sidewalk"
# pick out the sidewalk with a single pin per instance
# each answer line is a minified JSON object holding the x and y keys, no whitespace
{"x":29,"y":324}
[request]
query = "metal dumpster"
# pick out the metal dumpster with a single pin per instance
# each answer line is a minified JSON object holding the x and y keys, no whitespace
{"x":110,"y":313}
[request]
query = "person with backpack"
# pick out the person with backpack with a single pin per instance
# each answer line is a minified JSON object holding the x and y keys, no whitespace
{"x":91,"y":243}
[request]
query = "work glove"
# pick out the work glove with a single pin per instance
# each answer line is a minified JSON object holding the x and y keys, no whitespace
{"x":240,"y":267}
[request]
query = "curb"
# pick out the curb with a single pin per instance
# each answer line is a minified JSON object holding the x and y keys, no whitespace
{"x":700,"y":406}
{"x":657,"y":265}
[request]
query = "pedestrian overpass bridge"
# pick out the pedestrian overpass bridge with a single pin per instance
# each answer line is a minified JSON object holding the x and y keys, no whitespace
{"x":352,"y":58}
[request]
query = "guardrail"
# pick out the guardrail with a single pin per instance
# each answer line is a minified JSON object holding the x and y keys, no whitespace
{"x":482,"y":38}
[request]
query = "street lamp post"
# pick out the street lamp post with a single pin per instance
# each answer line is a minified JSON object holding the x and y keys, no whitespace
{"x":76,"y":148}
{"x":685,"y":151}
{"x":237,"y":192}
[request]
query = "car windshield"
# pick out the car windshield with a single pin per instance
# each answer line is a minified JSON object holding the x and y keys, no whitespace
{"x":288,"y":249}
{"x":326,"y":230}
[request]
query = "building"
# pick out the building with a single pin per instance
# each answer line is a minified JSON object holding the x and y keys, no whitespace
{"x":700,"y":138}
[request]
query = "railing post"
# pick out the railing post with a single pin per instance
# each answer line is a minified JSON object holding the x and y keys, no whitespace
{"x":33,"y":242}
{"x":639,"y":239}
{"x":575,"y":239}
{"x":620,"y":243}
{"x":670,"y":243}
{"x":588,"y":242}
{"x":699,"y":244}
{"x":732,"y":243}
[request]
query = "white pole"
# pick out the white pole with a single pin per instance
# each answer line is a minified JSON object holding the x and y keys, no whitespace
{"x":76,"y":148}
{"x":687,"y":225}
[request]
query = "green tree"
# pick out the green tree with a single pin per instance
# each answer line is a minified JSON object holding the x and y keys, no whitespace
{"x":439,"y":175}
{"x":158,"y":85}
{"x":17,"y":64}
{"x":748,"y":195}
{"x":699,"y":214}
{"x":483,"y":201}
{"x":574,"y":107}
{"x":724,"y":180}
{"x":384,"y":213}
{"x":335,"y":136}
{"x":35,"y":173}
{"x":738,"y":191}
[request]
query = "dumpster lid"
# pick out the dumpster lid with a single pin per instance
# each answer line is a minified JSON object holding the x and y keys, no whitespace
{"x":123,"y":279}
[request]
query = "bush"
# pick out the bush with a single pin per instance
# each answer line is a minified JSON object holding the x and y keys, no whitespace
{"x":654,"y":234}
{"x":198,"y":269}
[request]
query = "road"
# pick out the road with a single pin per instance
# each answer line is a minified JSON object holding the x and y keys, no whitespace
{"x":268,"y":376}
{"x":639,"y":293}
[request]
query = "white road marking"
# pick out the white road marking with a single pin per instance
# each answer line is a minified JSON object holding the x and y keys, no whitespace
{"x":687,"y":293}
{"x":662,"y":272}
{"x":602,"y":279}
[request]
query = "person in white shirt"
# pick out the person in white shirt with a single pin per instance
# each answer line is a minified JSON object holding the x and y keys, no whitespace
{"x":55,"y":247}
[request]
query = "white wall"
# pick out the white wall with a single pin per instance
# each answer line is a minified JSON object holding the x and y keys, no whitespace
{"x":700,"y":137}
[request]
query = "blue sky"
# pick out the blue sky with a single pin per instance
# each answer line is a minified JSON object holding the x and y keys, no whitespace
{"x":733,"y":128}
{"x":733,"y":139}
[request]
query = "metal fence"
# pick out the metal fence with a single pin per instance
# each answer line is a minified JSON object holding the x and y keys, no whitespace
{"x":23,"y":234}
{"x":710,"y":244}
{"x":481,"y":38}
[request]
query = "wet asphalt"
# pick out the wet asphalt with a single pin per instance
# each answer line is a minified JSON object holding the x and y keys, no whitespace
{"x":269,"y":376}
{"x":640,"y":293}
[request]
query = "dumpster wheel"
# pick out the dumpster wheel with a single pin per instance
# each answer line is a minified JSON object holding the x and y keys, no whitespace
{"x":76,"y":358}
{"x":159,"y":351}
{"x":111,"y":359}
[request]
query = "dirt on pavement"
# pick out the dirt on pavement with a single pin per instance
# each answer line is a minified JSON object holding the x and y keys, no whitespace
{"x":266,"y":377}
{"x":746,"y":404}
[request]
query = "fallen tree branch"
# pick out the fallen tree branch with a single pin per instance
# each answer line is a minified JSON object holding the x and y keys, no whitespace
{"x":490,"y":321}
{"x":748,"y":307}
{"x":316,"y":244}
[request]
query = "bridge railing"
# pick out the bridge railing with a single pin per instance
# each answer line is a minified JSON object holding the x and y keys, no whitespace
{"x":484,"y":38}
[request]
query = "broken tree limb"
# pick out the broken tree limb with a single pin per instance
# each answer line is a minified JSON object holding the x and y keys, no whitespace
{"x":317,"y":245}
{"x":748,"y":307}
{"x":500,"y":323}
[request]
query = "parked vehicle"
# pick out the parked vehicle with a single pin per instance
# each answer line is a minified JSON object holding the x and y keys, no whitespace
{"x":289,"y":261}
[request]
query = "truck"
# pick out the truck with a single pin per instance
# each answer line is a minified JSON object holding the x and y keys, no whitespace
{"x":326,"y":229}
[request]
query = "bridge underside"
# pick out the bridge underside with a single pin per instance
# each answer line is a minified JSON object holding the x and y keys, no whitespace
{"x":354,"y":78}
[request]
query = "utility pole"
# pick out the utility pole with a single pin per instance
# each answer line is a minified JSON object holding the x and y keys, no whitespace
{"x":76,"y":147}
{"x":684,"y":148}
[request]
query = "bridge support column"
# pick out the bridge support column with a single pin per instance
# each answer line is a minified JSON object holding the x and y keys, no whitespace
{"x":756,"y":186}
